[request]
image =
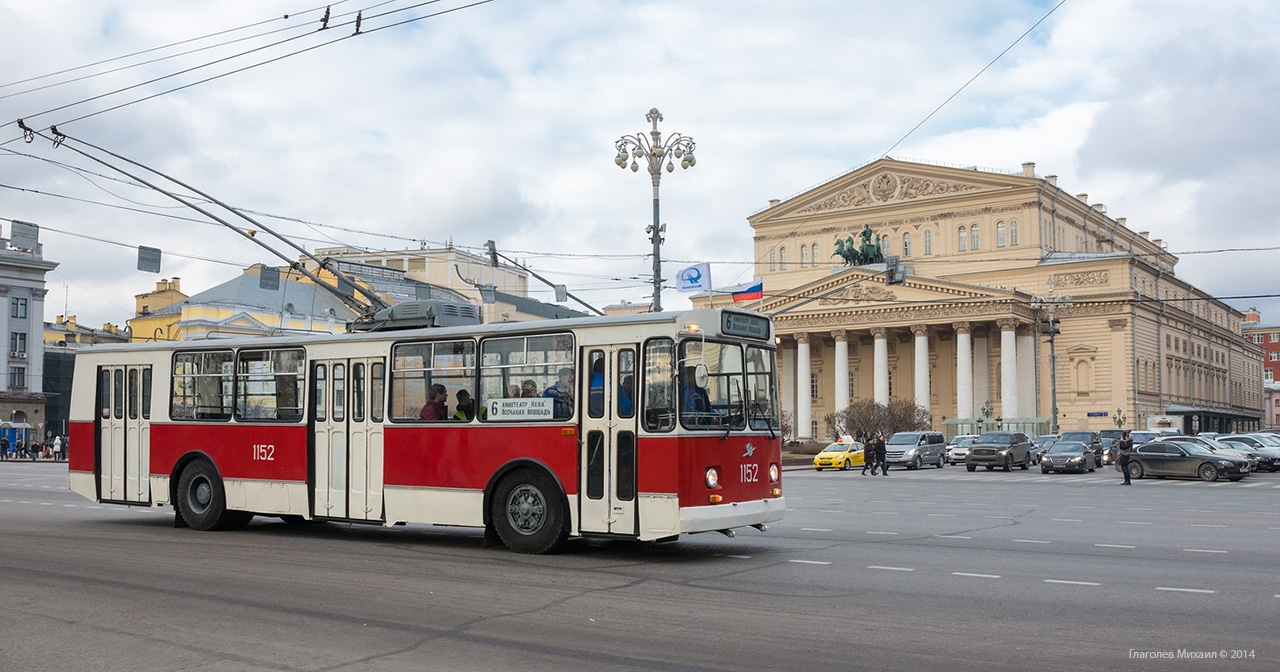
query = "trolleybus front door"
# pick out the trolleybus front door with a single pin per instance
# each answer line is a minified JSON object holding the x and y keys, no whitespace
{"x":124,"y":433}
{"x":608,"y":496}
{"x":346,"y":416}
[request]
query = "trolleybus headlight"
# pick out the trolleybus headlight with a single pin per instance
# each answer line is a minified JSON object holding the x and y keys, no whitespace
{"x":773,"y":473}
{"x":713,"y":477}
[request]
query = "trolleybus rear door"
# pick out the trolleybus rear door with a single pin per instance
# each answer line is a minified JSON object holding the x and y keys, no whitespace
{"x":607,"y":498}
{"x":124,"y":399}
{"x":347,"y":438}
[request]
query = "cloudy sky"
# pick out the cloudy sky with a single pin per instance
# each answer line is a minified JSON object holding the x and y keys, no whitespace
{"x":498,"y":121}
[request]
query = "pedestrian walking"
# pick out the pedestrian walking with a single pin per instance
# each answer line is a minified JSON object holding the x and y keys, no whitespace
{"x":1122,"y":459}
{"x":868,"y":456}
{"x":57,"y":447}
{"x":880,"y":455}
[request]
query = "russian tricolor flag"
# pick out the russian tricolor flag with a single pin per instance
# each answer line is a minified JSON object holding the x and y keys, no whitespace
{"x":754,"y":291}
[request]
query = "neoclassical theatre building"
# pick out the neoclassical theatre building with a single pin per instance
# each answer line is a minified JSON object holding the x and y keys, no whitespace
{"x":988,"y":254}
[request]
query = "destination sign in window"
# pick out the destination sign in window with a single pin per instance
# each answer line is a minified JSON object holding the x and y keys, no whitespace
{"x":746,"y":326}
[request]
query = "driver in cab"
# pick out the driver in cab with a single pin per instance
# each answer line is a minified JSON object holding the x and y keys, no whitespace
{"x":694,"y":402}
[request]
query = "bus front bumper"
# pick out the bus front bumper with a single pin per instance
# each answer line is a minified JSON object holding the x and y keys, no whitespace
{"x":717,"y":517}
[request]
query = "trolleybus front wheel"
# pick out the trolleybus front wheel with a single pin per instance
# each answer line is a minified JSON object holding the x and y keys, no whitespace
{"x":527,"y":512}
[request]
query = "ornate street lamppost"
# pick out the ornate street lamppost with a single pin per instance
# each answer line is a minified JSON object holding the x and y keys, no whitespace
{"x":654,"y":151}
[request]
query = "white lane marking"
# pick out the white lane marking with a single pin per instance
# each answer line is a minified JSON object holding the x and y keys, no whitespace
{"x":93,"y":507}
{"x":1253,"y":485}
{"x":1073,"y":583}
{"x":1030,"y":541}
{"x":1186,"y":590}
{"x":976,"y":576}
{"x":1001,"y":517}
{"x":739,"y":557}
{"x":1137,"y":508}
{"x":814,"y":529}
{"x":874,"y":532}
{"x":943,"y":515}
{"x":1067,"y":520}
{"x":1114,"y":546}
{"x":809,"y":562}
{"x":73,"y":506}
{"x":885,"y":513}
{"x":1131,"y":522}
{"x":46,"y":503}
{"x":1202,"y":550}
{"x":1080,"y":506}
{"x":24,"y":502}
{"x":830,"y":511}
{"x":1273,"y":528}
{"x":1205,"y":525}
{"x":891,"y":569}
{"x":951,"y":536}
{"x":6,"y":501}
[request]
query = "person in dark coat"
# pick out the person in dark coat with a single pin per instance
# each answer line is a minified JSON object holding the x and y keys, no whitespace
{"x":868,"y":455}
{"x":1126,"y":447}
{"x":880,"y":455}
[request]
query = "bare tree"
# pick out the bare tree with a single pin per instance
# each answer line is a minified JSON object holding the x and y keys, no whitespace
{"x":787,"y":427}
{"x":905,"y":416}
{"x":866,"y":417}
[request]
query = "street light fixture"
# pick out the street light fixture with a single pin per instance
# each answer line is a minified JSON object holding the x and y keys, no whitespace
{"x":632,"y":148}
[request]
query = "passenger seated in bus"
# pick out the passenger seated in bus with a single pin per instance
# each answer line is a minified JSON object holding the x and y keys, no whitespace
{"x":624,"y":396}
{"x":562,"y":392}
{"x":435,"y":410}
{"x":513,"y":391}
{"x":528,"y":389}
{"x":595,"y":390}
{"x":694,"y":399}
{"x":467,"y":407}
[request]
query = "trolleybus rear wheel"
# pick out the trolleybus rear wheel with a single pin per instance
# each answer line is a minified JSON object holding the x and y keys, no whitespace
{"x":202,"y":501}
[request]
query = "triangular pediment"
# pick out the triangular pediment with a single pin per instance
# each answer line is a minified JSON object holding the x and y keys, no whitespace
{"x":886,"y":182}
{"x":864,"y":287}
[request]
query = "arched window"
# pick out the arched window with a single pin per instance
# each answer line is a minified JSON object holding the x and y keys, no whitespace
{"x":773,"y":259}
{"x":964,"y":239}
{"x":782,"y":259}
{"x":804,"y":256}
{"x":813,"y":253}
{"x":973,"y":237}
{"x":1013,"y":232}
{"x":884,"y":245}
{"x":906,"y":244}
{"x":1084,"y":377}
{"x":999,"y":234}
{"x":928,"y":241}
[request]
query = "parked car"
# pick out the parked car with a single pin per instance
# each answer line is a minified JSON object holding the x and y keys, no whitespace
{"x":840,"y":455}
{"x":958,"y":449}
{"x":1091,"y":440}
{"x":1268,"y":456}
{"x":1068,"y":456}
{"x":1216,"y":447}
{"x":1140,"y":437}
{"x":916,"y":449}
{"x":1000,"y":449}
{"x":1184,"y":458}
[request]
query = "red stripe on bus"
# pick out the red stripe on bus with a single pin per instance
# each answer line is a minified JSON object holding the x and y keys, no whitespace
{"x":270,"y":452}
{"x":80,"y":451}
{"x":466,"y":456}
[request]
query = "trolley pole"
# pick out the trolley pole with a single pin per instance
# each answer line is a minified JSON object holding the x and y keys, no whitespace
{"x":654,"y":150}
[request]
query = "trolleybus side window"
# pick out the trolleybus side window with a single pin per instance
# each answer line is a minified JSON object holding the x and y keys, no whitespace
{"x":659,"y":385}
{"x":317,"y":394}
{"x":269,"y":384}
{"x":117,"y":394}
{"x":720,"y":405}
{"x":626,"y":383}
{"x":377,"y":384}
{"x":133,"y":394}
{"x":415,"y":367}
{"x":595,"y":386}
{"x":104,"y":393}
{"x":357,"y":392}
{"x":146,"y":393}
{"x":762,"y":406}
{"x":202,"y":385}
{"x":339,"y":392}
{"x":541,"y":368}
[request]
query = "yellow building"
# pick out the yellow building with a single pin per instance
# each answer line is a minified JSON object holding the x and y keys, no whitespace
{"x":987,"y":253}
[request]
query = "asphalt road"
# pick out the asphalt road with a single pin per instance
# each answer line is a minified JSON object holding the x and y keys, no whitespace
{"x":930,"y":570}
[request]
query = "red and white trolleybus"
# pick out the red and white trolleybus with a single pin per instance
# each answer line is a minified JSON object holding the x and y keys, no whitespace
{"x":637,"y":427}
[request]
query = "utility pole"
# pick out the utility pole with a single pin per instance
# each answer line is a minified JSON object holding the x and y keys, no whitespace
{"x":1049,"y":326}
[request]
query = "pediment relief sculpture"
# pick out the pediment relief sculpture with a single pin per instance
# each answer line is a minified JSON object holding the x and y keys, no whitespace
{"x":887,"y":187}
{"x":858,"y":294}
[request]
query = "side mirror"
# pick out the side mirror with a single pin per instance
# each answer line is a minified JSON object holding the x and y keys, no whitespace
{"x":700,"y":376}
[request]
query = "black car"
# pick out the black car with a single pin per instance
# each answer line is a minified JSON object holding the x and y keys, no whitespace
{"x":1268,"y":457}
{"x":1091,"y":440}
{"x":1067,"y":456}
{"x":999,"y":449}
{"x":1175,"y":458}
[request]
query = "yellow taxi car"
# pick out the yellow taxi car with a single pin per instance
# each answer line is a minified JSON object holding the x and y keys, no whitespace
{"x":842,"y":454}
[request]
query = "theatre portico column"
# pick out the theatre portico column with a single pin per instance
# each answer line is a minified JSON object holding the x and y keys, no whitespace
{"x":964,"y":370}
{"x":1027,"y":406}
{"x":804,"y":396}
{"x":921,"y":365}
{"x":881,"y":388}
{"x":842,"y":369}
{"x":1008,"y":368}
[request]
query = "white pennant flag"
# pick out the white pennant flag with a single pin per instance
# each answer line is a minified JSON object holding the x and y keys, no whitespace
{"x":694,"y":278}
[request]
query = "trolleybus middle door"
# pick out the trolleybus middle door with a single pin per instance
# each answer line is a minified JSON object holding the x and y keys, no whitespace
{"x":346,"y":415}
{"x":607,"y":496}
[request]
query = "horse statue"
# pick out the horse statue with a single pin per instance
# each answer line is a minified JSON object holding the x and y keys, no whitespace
{"x":854,"y":255}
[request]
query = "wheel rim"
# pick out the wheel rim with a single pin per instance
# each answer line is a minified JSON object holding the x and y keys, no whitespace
{"x":919,"y":463}
{"x":526,"y":509}
{"x":199,"y":494}
{"x":1208,"y":472}
{"x":1135,"y":470}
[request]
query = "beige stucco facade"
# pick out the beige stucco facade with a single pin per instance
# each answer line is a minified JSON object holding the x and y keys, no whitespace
{"x":984,"y":250}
